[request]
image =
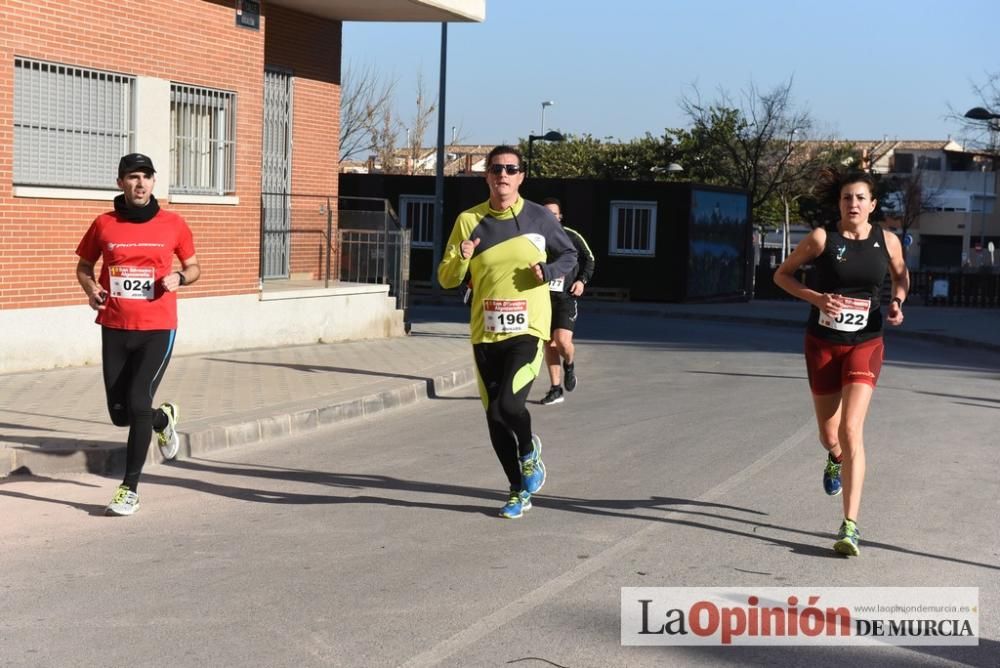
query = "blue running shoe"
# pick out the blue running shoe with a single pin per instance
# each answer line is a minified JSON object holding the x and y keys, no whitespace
{"x":532,"y":468}
{"x":831,"y":477}
{"x":516,"y":505}
{"x":847,"y":539}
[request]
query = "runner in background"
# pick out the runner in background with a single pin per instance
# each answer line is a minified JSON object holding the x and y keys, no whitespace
{"x":564,"y":291}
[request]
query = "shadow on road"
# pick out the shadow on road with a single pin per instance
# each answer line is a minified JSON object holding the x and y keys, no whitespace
{"x":669,"y":510}
{"x":89,"y":508}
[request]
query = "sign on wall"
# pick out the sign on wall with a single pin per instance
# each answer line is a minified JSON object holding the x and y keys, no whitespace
{"x":248,"y":14}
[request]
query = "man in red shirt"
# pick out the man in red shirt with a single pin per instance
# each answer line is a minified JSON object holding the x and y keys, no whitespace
{"x":136,"y":302}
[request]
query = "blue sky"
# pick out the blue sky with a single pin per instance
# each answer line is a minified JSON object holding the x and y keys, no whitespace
{"x":618,"y":68}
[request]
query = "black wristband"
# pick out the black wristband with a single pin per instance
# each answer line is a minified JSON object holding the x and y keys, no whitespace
{"x":898,"y":301}
{"x":183,"y":279}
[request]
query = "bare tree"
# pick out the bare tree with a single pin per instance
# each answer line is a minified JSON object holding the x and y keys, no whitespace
{"x":384,"y":137}
{"x":981,"y":134}
{"x":418,"y":126}
{"x":806,"y":160}
{"x":906,"y":198}
{"x":751,"y":138}
{"x":364,"y":98}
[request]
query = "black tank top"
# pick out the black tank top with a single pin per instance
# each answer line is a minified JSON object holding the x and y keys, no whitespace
{"x":852,"y":268}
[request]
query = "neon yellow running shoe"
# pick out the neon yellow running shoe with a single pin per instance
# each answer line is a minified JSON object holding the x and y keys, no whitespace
{"x":124,"y":503}
{"x":847,"y":539}
{"x":168,"y":440}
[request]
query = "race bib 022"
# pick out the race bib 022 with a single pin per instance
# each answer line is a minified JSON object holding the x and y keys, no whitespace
{"x":853,"y":316}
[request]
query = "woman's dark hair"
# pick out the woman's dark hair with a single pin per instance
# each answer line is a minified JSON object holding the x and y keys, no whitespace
{"x":552,"y":200}
{"x":504,"y":150}
{"x":822,"y":207}
{"x":832,"y":180}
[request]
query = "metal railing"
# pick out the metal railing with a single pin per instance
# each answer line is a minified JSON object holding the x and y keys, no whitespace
{"x":374,"y":247}
{"x":956,"y":288}
{"x":932,"y":288}
{"x":305,"y":238}
{"x":295,"y":237}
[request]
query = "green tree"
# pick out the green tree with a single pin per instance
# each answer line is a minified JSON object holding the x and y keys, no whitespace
{"x":572,"y":158}
{"x":746,"y":142}
{"x":588,"y":157}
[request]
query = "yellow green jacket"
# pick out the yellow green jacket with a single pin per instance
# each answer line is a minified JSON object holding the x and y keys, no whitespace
{"x":504,"y":284}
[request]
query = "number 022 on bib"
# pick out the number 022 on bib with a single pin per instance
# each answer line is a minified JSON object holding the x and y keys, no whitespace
{"x":853,"y":315}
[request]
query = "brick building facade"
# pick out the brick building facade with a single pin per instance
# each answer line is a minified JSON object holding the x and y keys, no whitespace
{"x":82,"y":82}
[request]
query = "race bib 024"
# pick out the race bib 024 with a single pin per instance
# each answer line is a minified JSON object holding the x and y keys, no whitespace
{"x":132,"y":282}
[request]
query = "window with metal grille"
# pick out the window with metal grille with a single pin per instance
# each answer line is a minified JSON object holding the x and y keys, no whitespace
{"x":71,"y":125}
{"x":633,"y":228}
{"x":202,"y":140}
{"x":417,"y":214}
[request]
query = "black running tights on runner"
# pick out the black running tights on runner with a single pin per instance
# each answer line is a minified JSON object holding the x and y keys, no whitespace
{"x":134,"y":363}
{"x":506,"y":371}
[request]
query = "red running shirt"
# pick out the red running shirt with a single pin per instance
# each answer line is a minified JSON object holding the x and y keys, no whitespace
{"x":135,"y":257}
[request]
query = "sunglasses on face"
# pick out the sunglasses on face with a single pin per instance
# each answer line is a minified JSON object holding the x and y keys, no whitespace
{"x":510,"y":169}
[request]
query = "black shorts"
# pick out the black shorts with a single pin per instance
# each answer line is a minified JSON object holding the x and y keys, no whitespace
{"x":563,"y":311}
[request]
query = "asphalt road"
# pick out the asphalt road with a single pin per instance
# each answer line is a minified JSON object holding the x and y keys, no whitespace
{"x":687,"y":457}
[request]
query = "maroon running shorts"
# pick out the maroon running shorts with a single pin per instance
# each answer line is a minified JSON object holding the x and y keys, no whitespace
{"x":833,"y":365}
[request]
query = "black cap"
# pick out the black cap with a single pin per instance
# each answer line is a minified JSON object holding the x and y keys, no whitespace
{"x":135,"y":162}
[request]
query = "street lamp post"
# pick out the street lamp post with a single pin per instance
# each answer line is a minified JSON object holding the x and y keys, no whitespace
{"x":547,"y":103}
{"x":551,"y":135}
{"x":437,"y":225}
{"x":786,"y":227}
{"x":982,"y":114}
{"x":982,"y":213}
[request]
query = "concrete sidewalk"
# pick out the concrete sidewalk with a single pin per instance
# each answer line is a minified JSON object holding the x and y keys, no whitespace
{"x":970,"y":327}
{"x":55,"y":422}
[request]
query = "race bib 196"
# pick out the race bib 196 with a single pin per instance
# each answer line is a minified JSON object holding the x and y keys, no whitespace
{"x":505,"y":315}
{"x":132,"y":282}
{"x":853,"y":316}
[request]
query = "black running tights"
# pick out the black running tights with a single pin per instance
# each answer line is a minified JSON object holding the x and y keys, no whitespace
{"x":134,"y":362}
{"x":506,"y":371}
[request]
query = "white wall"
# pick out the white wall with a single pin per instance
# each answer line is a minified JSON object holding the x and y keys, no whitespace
{"x":152,"y":129}
{"x":45,"y":338}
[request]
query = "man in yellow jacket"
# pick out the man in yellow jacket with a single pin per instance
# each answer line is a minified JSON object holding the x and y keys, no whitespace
{"x":503,"y":243}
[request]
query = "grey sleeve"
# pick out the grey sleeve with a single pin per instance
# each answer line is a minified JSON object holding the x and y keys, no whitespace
{"x":561,"y":251}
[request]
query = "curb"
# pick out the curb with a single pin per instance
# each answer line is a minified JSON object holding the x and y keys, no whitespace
{"x":107,"y":460}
